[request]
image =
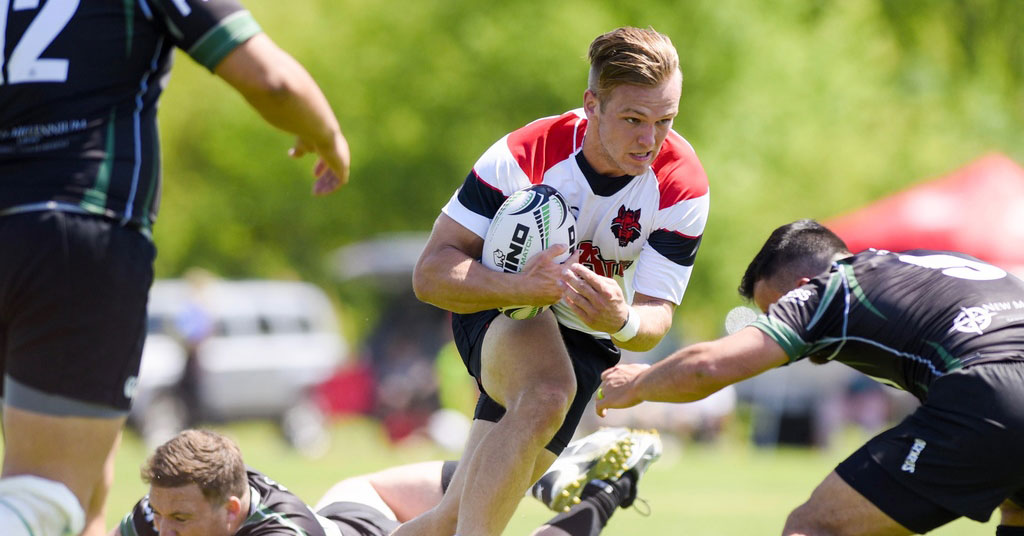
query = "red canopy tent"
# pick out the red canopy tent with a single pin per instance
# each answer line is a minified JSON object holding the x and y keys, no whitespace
{"x":978,"y":210}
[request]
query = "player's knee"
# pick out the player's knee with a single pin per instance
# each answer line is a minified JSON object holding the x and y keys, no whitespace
{"x":795,"y":523}
{"x":37,"y":506}
{"x":803,"y":521}
{"x":544,"y":405}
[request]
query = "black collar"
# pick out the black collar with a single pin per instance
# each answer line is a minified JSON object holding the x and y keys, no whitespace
{"x":601,"y":185}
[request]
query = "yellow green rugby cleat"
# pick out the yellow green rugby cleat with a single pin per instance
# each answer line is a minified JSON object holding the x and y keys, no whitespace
{"x":603,"y":455}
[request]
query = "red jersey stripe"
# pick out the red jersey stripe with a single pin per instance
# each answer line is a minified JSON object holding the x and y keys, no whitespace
{"x":542,"y":144}
{"x":679,"y":172}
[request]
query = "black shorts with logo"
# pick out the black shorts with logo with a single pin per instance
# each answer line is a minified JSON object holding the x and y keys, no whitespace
{"x":590,"y":357}
{"x":357,"y":519}
{"x":958,"y":454}
{"x":73,"y":292}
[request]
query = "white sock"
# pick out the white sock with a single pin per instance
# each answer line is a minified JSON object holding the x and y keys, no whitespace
{"x":34,"y":506}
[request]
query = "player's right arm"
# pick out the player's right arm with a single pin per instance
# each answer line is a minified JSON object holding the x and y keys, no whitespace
{"x":693,"y":372}
{"x":449,"y":276}
{"x":284,"y":93}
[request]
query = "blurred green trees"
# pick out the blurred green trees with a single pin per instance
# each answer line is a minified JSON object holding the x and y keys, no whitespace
{"x":796,"y":109}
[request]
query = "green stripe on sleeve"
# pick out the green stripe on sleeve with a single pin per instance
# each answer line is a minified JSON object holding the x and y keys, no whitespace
{"x":781,"y":333}
{"x":127,"y":527}
{"x":217,"y":43}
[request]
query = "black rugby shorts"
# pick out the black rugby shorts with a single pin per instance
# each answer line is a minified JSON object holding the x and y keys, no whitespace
{"x":590,"y":357}
{"x":73,"y":292}
{"x":357,"y":519}
{"x":958,"y":454}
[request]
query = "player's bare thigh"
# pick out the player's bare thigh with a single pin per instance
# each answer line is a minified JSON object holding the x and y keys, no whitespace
{"x":522,"y":354}
{"x":836,"y":509}
{"x":37,"y":444}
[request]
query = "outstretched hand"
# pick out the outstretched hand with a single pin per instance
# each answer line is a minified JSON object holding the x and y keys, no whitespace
{"x":332,"y":168}
{"x":616,"y":387}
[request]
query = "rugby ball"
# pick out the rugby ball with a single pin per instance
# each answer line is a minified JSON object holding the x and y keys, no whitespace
{"x":528,"y":222}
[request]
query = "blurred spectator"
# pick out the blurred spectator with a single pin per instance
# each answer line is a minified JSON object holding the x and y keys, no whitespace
{"x":402,"y":351}
{"x":406,"y":386}
{"x":194,"y":324}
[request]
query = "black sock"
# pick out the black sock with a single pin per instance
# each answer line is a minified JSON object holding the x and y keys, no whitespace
{"x":1006,"y":530}
{"x":584,"y":519}
{"x":599,"y":500}
{"x":625,"y":486}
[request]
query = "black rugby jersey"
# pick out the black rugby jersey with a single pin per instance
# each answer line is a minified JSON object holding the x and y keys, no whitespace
{"x":79,"y":83}
{"x":274,"y":511}
{"x":903,"y":318}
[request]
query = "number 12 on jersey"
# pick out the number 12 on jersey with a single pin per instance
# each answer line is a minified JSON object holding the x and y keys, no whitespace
{"x":25,"y":64}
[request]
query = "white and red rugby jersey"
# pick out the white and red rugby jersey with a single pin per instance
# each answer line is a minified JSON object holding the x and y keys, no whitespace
{"x":643,"y":231}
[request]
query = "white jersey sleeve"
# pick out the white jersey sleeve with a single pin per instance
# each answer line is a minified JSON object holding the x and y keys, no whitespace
{"x":666,"y":260}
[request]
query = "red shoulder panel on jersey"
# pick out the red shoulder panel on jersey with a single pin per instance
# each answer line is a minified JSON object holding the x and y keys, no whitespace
{"x":537,"y":147}
{"x":679,"y":172}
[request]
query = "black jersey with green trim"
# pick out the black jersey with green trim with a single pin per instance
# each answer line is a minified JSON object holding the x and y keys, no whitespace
{"x":903,"y":318}
{"x":273,"y":511}
{"x":79,"y":84}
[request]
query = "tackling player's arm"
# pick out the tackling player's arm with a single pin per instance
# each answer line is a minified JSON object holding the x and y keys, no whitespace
{"x":693,"y":372}
{"x":448,"y":275}
{"x":284,"y":93}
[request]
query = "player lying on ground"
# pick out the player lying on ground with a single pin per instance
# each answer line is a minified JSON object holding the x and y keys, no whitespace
{"x":944,"y":326}
{"x":200,"y":486}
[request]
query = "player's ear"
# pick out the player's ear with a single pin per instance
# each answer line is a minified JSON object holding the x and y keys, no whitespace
{"x":590,"y":103}
{"x":802,"y":281}
{"x":234,"y":507}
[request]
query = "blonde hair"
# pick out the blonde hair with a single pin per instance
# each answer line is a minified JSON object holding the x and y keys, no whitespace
{"x":209,"y":460}
{"x":630,"y":55}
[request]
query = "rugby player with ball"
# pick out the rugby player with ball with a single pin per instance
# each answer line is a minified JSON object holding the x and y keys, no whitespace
{"x":638,"y":200}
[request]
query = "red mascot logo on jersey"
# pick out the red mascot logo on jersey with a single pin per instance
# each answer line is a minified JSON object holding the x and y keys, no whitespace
{"x":626,"y":226}
{"x":590,"y":256}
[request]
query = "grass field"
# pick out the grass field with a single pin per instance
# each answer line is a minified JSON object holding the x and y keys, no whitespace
{"x":725,"y":489}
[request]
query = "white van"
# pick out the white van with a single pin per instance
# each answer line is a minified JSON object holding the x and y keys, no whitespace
{"x":259,"y":346}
